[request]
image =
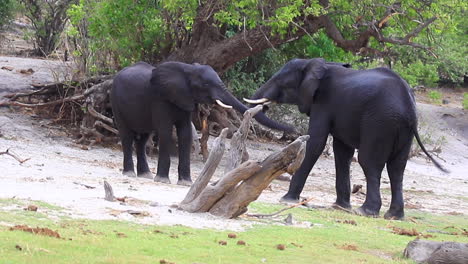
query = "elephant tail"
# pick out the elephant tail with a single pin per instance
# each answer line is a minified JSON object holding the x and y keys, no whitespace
{"x":436,"y":163}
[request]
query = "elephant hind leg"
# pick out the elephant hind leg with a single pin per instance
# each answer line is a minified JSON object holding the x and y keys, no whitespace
{"x":127,"y":138}
{"x":396,"y":168}
{"x":343,"y":156}
{"x":372,"y":158}
{"x":142,"y":163}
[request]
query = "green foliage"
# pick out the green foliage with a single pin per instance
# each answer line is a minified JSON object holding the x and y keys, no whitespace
{"x":6,"y":11}
{"x":120,"y":31}
{"x":418,"y":73}
{"x":48,"y":18}
{"x":465,"y":101}
{"x":246,"y":76}
{"x":435,"y":96}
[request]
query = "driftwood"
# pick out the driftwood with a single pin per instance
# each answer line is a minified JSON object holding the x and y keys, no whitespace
{"x":109,"y":193}
{"x":238,"y":151}
{"x":208,"y":170}
{"x":20,"y":160}
{"x":281,"y":210}
{"x":432,"y":252}
{"x":230,"y":196}
{"x":195,"y":142}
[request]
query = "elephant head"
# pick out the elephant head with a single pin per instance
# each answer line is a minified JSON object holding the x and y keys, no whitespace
{"x":187,"y":84}
{"x":295,"y":83}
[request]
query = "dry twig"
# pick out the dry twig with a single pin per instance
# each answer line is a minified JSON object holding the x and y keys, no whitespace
{"x":20,"y":160}
{"x":281,"y":210}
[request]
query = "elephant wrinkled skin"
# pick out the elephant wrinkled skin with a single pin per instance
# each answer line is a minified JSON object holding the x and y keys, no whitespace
{"x":373,"y":111}
{"x":148,"y":99}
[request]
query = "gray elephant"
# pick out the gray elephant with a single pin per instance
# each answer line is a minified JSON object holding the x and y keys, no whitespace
{"x":146,"y":99}
{"x":370,"y":110}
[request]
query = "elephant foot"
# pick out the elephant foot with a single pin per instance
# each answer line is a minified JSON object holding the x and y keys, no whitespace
{"x":342,"y":207}
{"x":162,"y":179}
{"x":129,"y":174}
{"x":147,"y":175}
{"x":366,"y":212}
{"x":391,"y":215}
{"x":286,"y":199}
{"x":184,"y":182}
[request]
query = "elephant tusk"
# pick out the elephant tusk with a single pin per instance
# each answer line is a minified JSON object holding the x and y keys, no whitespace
{"x":223,"y":104}
{"x":257,"y":101}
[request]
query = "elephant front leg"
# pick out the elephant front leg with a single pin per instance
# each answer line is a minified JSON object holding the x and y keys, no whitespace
{"x":314,"y":148}
{"x":164,"y":159}
{"x":184,"y":135}
{"x":343,"y":157}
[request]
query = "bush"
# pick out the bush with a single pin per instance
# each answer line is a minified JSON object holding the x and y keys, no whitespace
{"x":435,"y":96}
{"x":247,"y":75}
{"x":418,"y":73}
{"x":6,"y":11}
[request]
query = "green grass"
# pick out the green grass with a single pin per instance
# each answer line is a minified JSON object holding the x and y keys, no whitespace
{"x":465,"y":101}
{"x":435,"y":96}
{"x":87,"y":241}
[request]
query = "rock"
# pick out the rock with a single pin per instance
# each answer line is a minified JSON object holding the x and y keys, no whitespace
{"x":445,"y":101}
{"x":7,"y":68}
{"x":356,"y":188}
{"x":425,"y":251}
{"x":31,"y":207}
{"x":284,"y":177}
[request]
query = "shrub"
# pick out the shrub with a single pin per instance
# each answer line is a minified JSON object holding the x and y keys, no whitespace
{"x":435,"y":96}
{"x":418,"y":73}
{"x":6,"y":11}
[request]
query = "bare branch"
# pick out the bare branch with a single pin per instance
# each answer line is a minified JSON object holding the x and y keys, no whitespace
{"x":20,"y":160}
{"x":281,"y":210}
{"x":61,"y":101}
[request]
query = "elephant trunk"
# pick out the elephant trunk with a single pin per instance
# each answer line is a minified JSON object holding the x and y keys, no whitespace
{"x":228,"y":98}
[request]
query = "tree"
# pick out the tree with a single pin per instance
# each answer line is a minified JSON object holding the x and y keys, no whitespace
{"x":48,"y":19}
{"x":221,"y":33}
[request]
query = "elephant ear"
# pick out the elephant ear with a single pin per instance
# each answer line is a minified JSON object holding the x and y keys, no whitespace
{"x":313,"y":72}
{"x":170,"y":83}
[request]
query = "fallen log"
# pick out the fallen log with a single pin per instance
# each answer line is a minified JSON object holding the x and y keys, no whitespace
{"x":230,"y":196}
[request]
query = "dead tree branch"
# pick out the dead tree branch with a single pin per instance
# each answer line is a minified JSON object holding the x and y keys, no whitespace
{"x":20,"y":160}
{"x":230,"y":196}
{"x":238,"y":151}
{"x":281,"y":210}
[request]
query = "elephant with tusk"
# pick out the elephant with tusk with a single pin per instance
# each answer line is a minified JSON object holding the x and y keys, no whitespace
{"x":148,"y":98}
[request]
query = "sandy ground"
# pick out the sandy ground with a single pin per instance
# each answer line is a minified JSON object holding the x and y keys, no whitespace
{"x":18,"y":74}
{"x":57,"y":170}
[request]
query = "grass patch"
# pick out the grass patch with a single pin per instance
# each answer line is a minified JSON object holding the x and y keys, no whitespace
{"x":465,"y":101}
{"x":329,"y":240}
{"x":435,"y":96}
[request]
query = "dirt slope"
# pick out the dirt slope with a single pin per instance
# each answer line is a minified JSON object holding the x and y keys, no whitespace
{"x":57,"y":169}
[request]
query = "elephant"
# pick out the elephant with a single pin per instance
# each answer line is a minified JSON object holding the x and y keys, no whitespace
{"x":372,"y":110}
{"x":147,"y":99}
